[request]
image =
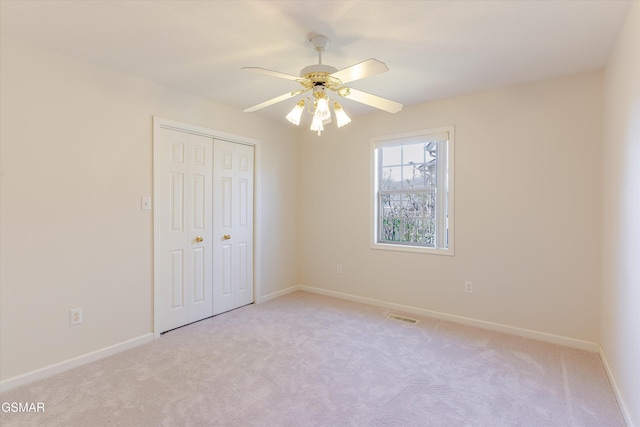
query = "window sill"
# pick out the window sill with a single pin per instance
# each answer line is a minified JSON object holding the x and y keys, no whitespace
{"x":413,"y":249}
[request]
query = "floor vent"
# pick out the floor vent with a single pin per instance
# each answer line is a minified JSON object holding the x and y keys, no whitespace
{"x":402,"y":318}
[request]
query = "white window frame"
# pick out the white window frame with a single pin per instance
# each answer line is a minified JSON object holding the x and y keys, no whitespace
{"x":444,"y":198}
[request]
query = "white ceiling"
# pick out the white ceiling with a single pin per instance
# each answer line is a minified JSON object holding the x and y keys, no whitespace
{"x":434,"y":49}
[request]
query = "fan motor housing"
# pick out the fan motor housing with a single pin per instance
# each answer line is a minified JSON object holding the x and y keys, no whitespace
{"x":318,"y":68}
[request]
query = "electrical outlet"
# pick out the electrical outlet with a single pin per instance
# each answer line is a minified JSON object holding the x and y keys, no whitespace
{"x":75,"y":316}
{"x":468,"y":287}
{"x":339,"y":269}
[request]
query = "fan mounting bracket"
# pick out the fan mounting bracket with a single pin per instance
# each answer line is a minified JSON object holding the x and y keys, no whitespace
{"x":319,"y":43}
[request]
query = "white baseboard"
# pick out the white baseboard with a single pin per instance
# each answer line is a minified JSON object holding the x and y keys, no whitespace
{"x":277,"y":294}
{"x":527,"y":333}
{"x":57,"y":368}
{"x":616,"y":390}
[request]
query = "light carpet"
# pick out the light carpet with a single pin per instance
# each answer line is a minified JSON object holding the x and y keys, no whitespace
{"x":310,"y":360}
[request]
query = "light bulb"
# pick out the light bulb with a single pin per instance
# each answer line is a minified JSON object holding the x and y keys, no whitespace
{"x":341,"y":117}
{"x":296,"y":113}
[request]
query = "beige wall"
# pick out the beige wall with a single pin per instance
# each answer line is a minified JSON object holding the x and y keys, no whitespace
{"x":620,"y":323}
{"x":527,"y":209}
{"x":75,"y":159}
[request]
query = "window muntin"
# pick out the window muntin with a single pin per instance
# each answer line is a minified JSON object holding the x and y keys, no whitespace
{"x":413,"y":192}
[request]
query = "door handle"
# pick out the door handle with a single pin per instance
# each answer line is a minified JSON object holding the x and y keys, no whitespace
{"x":199,"y":239}
{"x":226,"y":236}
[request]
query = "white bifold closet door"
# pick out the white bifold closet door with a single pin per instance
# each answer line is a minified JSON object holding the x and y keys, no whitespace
{"x":204,"y":247}
{"x":232,"y":225}
{"x":185,"y":221}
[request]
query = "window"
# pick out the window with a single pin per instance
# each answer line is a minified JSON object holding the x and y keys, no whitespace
{"x":413,"y":192}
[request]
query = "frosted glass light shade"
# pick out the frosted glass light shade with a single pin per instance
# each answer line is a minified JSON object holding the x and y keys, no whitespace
{"x":316,"y":124}
{"x":322,"y":109}
{"x":295,"y":114}
{"x":341,"y":117}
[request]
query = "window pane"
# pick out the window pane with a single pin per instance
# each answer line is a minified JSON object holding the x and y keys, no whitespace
{"x":413,"y":153}
{"x":391,"y":178}
{"x":430,"y":165}
{"x":408,"y":218}
{"x":391,"y":156}
{"x":414,"y":177}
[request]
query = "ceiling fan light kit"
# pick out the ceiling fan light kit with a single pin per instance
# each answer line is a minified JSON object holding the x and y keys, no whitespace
{"x":317,"y":79}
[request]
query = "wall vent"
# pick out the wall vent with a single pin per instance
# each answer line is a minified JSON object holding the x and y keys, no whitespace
{"x":402,"y":318}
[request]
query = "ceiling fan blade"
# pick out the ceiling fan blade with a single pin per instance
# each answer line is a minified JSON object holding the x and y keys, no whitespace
{"x":374,"y":101}
{"x":367,"y":68}
{"x":271,"y":101}
{"x":272,"y":73}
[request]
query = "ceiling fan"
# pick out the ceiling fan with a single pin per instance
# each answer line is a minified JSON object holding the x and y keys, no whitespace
{"x":317,"y":79}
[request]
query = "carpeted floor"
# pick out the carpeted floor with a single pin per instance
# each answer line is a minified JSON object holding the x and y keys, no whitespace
{"x":310,"y":360}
